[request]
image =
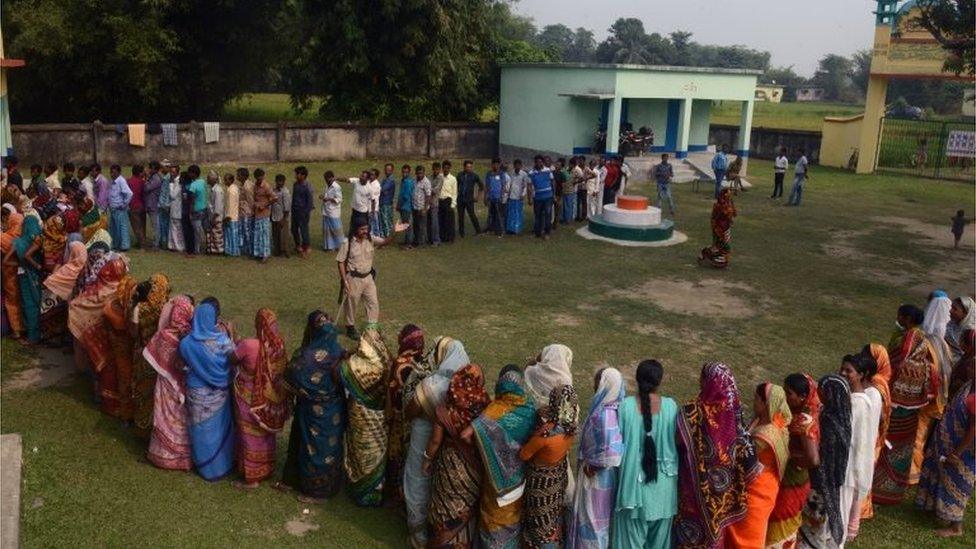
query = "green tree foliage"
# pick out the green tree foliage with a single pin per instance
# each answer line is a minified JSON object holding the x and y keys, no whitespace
{"x":629,"y":43}
{"x":953,"y":23}
{"x":835,"y":74}
{"x":120,"y":60}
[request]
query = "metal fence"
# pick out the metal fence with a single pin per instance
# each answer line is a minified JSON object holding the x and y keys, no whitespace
{"x":925,"y":148}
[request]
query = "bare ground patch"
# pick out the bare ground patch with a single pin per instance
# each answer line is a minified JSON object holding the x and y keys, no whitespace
{"x":566,"y":320}
{"x":934,"y":234}
{"x":301,"y":525}
{"x":710,"y":298}
{"x":52,"y":367}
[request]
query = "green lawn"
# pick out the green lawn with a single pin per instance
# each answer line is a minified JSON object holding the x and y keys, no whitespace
{"x":784,"y":116}
{"x":806,"y":286}
{"x":272,"y":107}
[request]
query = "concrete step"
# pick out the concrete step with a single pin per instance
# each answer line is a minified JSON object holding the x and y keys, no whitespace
{"x":11,"y":456}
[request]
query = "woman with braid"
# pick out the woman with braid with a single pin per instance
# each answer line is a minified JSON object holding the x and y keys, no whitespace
{"x":647,"y":497}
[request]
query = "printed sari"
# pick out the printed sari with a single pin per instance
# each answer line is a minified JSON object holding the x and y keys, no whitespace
{"x":364,"y":376}
{"x":787,"y":514}
{"x":499,"y":432}
{"x":723,"y":212}
{"x":713,"y":443}
{"x":143,"y":374}
{"x":315,"y":445}
{"x":55,"y":239}
{"x":260,"y":397}
{"x":118,"y":314}
{"x":771,"y":437}
{"x":456,"y":477}
{"x":600,"y":449}
{"x":206,"y":351}
{"x":946,"y":484}
{"x":410,"y":352}
{"x":11,"y":289}
{"x":169,"y":443}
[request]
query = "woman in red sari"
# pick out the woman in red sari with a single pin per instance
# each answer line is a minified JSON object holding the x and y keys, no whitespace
{"x":261,"y":397}
{"x":121,"y":332}
{"x":169,"y":443}
{"x":409,"y":355}
{"x":723,"y":212}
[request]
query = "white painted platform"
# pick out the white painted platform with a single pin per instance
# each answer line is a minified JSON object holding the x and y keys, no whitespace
{"x":677,"y":237}
{"x":632,"y":218}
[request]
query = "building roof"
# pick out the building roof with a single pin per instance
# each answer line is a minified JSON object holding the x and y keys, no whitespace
{"x":629,"y":67}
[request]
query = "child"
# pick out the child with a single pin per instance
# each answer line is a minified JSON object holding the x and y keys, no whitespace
{"x":331,"y":220}
{"x":959,"y":226}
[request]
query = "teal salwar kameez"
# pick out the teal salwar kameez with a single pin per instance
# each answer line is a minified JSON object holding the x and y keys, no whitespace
{"x":644,"y":510}
{"x":29,"y":278}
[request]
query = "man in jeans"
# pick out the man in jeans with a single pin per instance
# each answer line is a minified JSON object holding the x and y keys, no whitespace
{"x":421,"y":205}
{"x":780,"y":165}
{"x":150,"y":199}
{"x":467,"y":180}
{"x":495,"y":185}
{"x":799,"y":178}
{"x":663,"y":174}
{"x":720,"y":163}
{"x":541,"y":192}
{"x":198,"y":188}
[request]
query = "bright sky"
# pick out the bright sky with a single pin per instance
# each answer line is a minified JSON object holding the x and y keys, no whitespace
{"x":795,"y":32}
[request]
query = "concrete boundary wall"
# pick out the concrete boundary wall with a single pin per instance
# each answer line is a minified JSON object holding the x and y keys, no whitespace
{"x":765,"y":142}
{"x":256,"y":142}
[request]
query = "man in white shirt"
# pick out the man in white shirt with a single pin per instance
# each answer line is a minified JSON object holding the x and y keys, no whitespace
{"x":517,"y":190}
{"x":87,"y":182}
{"x":375,"y":190}
{"x":624,"y":176}
{"x":780,"y":165}
{"x":799,"y":178}
{"x":362,"y":198}
{"x":420,"y":202}
{"x":232,"y":219}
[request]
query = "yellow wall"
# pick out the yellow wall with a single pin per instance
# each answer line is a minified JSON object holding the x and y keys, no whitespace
{"x":839,"y":139}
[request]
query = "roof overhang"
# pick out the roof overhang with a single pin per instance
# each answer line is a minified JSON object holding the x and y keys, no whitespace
{"x":596,"y":96}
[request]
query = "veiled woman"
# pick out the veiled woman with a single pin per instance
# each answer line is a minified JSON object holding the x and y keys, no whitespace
{"x":121,"y":329}
{"x":97,"y":286}
{"x":58,"y":287}
{"x":961,"y":338}
{"x":314,"y":462}
{"x":151,"y":296}
{"x":169,"y":443}
{"x":723,"y":212}
{"x":600,"y":453}
{"x":713,"y":443}
{"x":771,"y":438}
{"x":206,"y":351}
{"x":364,"y":375}
{"x":546,"y":454}
{"x":787,"y":515}
{"x":424,"y":391}
{"x":261,"y":396}
{"x":552,"y":368}
{"x":824,"y":519}
{"x":13,"y":222}
{"x":456,"y":470}
{"x":500,"y":431}
{"x":409,"y":355}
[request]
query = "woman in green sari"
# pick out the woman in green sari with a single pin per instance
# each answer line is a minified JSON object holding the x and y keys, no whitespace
{"x":364,"y":375}
{"x":28,"y":249}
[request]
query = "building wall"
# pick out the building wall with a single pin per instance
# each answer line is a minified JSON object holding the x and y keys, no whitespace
{"x":701,"y":116}
{"x":256,"y":142}
{"x":840,"y":137}
{"x":765,"y":142}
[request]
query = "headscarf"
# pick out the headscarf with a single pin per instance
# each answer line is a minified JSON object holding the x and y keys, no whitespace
{"x":466,"y":398}
{"x":63,"y":280}
{"x":561,"y":415}
{"x":937,"y":314}
{"x":124,"y":294}
{"x":151,"y":308}
{"x":55,"y":237}
{"x":269,"y":399}
{"x":206,"y":348}
{"x":99,"y":254}
{"x":72,"y":220}
{"x":716,"y":445}
{"x":835,"y":442}
{"x":15,"y":222}
{"x":411,"y":348}
{"x":775,"y":432}
{"x":26,"y":207}
{"x":100,"y":236}
{"x":601,"y":443}
{"x":552,"y":370}
{"x":450,"y":356}
{"x":807,"y":421}
{"x":162,"y":352}
{"x":501,"y":430}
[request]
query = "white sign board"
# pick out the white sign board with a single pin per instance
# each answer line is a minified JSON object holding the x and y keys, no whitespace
{"x":961,"y":143}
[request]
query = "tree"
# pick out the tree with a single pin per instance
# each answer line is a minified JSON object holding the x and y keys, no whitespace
{"x":681,"y":40}
{"x":120,"y":60}
{"x":556,"y":39}
{"x":386,"y":59}
{"x":583,"y":47}
{"x":627,"y":43}
{"x":861,"y":61}
{"x":835,"y":75}
{"x":952,"y":23}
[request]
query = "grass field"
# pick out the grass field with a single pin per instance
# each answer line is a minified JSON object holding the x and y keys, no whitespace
{"x":806,"y":286}
{"x":783,"y":116}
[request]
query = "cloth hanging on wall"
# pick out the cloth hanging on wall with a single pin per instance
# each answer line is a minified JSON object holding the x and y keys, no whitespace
{"x":170,"y":138}
{"x":137,"y":135}
{"x":211,"y":132}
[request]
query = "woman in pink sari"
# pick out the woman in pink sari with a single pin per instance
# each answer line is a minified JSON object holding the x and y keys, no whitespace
{"x":262,"y":398}
{"x":169,"y":443}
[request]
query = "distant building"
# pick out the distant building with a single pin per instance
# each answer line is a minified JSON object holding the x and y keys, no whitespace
{"x":770,"y":93}
{"x":809,"y":94}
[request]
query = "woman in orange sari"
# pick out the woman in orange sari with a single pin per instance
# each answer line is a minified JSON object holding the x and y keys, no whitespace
{"x":723,"y":212}
{"x":55,"y":240}
{"x":262,"y":400}
{"x":771,"y":437}
{"x":151,"y":296}
{"x":881,"y":382}
{"x":120,"y":329}
{"x":12,"y":223}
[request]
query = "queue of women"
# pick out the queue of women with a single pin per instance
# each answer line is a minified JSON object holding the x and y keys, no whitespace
{"x":474,"y":467}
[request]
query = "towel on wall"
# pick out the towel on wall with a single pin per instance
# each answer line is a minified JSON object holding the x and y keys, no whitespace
{"x":211,"y":132}
{"x":137,"y":135}
{"x":170,"y":138}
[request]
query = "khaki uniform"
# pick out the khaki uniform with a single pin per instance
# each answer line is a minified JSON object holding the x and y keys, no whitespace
{"x":359,"y":263}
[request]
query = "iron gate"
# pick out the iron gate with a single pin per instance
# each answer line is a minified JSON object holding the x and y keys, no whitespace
{"x":927,"y":148}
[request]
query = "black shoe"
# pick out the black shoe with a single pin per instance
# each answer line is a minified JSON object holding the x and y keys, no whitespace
{"x":351,"y":333}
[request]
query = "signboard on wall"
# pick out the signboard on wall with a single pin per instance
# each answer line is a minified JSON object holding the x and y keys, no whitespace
{"x":961,"y":143}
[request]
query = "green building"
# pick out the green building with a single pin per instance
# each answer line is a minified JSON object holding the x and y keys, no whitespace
{"x":557,"y":108}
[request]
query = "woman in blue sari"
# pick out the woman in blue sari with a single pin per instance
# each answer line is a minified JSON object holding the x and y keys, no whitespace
{"x":28,"y":250}
{"x":314,"y":463}
{"x":206,"y":351}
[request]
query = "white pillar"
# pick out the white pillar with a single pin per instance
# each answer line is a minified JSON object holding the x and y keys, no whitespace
{"x":684,"y":128}
{"x":745,"y":128}
{"x":613,"y":124}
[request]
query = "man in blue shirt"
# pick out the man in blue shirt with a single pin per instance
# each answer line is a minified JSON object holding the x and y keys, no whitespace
{"x":495,"y":186}
{"x":199,"y":190}
{"x":119,"y":196}
{"x":405,"y":202}
{"x":720,"y":163}
{"x":467,"y":181}
{"x":387,"y":194}
{"x":541,"y":192}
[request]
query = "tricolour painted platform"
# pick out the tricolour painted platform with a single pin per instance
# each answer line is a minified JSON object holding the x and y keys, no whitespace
{"x":663,"y":230}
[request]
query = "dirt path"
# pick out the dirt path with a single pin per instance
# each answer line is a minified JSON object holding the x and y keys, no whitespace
{"x":51,"y":367}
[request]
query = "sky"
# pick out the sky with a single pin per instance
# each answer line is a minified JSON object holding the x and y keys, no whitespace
{"x":795,"y":32}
